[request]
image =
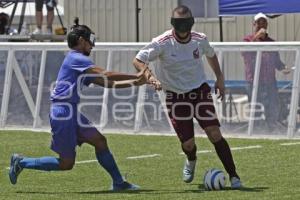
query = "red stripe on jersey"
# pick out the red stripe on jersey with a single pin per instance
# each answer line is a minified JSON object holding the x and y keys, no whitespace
{"x":197,"y":35}
{"x":165,"y":38}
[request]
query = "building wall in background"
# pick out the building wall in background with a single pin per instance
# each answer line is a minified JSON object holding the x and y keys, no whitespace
{"x":114,"y":21}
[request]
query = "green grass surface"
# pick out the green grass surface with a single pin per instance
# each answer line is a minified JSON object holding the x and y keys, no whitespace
{"x":270,"y":172}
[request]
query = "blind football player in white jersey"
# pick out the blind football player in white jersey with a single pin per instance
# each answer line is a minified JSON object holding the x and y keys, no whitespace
{"x":180,"y":73}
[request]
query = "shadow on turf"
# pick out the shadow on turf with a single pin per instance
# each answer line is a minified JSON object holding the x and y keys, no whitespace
{"x":243,"y":189}
{"x":87,"y":192}
{"x":111,"y":192}
{"x":200,"y":189}
{"x":146,"y":191}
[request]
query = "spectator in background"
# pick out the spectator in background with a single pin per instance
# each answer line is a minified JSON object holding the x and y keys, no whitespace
{"x":267,"y":89}
{"x":50,"y":4}
{"x":4,"y":18}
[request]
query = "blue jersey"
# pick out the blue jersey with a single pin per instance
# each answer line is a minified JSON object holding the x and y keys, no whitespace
{"x":66,"y":88}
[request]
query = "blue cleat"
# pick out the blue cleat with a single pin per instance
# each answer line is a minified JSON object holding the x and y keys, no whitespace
{"x":15,"y":168}
{"x":125,"y":186}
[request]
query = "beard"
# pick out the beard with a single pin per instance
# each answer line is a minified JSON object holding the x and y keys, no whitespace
{"x":182,"y":38}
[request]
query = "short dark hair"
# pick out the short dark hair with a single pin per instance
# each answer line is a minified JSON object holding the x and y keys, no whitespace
{"x":182,"y":10}
{"x":78,"y":31}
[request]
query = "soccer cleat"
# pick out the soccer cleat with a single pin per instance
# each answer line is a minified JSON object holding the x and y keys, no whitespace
{"x":188,"y":171}
{"x":125,"y":186}
{"x":235,"y":183}
{"x":15,"y":168}
{"x":37,"y":31}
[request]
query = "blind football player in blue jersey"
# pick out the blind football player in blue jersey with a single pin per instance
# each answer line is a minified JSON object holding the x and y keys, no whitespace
{"x":68,"y":126}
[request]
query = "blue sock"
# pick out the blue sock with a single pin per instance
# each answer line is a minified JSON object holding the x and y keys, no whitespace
{"x":107,"y":161}
{"x":43,"y":163}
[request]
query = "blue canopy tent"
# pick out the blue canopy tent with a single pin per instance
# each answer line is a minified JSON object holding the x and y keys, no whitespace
{"x":252,"y":7}
{"x":249,"y":7}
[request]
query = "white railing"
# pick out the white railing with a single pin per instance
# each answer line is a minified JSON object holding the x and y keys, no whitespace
{"x":221,"y":48}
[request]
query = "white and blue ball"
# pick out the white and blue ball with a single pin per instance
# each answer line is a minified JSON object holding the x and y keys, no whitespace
{"x":214,"y":179}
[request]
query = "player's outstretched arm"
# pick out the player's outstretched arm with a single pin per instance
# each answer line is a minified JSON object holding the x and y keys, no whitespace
{"x":111,"y":79}
{"x":150,"y":78}
{"x":113,"y":76}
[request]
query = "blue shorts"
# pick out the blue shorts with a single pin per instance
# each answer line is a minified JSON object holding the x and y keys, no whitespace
{"x":69,"y":128}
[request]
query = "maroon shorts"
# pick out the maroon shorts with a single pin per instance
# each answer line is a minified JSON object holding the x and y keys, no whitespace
{"x":182,"y":108}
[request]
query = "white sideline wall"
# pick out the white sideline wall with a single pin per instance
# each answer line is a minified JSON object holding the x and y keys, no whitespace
{"x":12,"y":69}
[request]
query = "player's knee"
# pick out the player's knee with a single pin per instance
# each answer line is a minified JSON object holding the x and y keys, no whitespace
{"x":101,"y":143}
{"x":189,"y":148}
{"x":189,"y":145}
{"x":66,"y":164}
{"x":213,"y":133}
{"x":97,"y":140}
{"x":103,"y":139}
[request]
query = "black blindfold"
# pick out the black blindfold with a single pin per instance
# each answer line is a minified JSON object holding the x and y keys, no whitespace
{"x":182,"y":24}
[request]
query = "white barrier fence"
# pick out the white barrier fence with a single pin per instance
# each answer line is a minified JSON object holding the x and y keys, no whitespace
{"x":12,"y":67}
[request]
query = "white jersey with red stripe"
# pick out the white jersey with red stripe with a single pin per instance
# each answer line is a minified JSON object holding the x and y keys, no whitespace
{"x":180,"y":66}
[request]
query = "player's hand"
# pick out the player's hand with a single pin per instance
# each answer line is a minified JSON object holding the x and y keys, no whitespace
{"x":151,"y":80}
{"x":141,"y":78}
{"x":220,"y":87}
{"x":261,"y":33}
{"x":154,"y":82}
{"x":140,"y":81}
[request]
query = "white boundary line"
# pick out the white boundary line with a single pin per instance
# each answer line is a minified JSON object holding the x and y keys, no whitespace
{"x":85,"y":161}
{"x":232,"y":149}
{"x":205,"y":151}
{"x":290,"y":143}
{"x":110,"y":131}
{"x":133,"y":157}
{"x":198,"y":152}
{"x":144,"y":156}
{"x":247,"y":147}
